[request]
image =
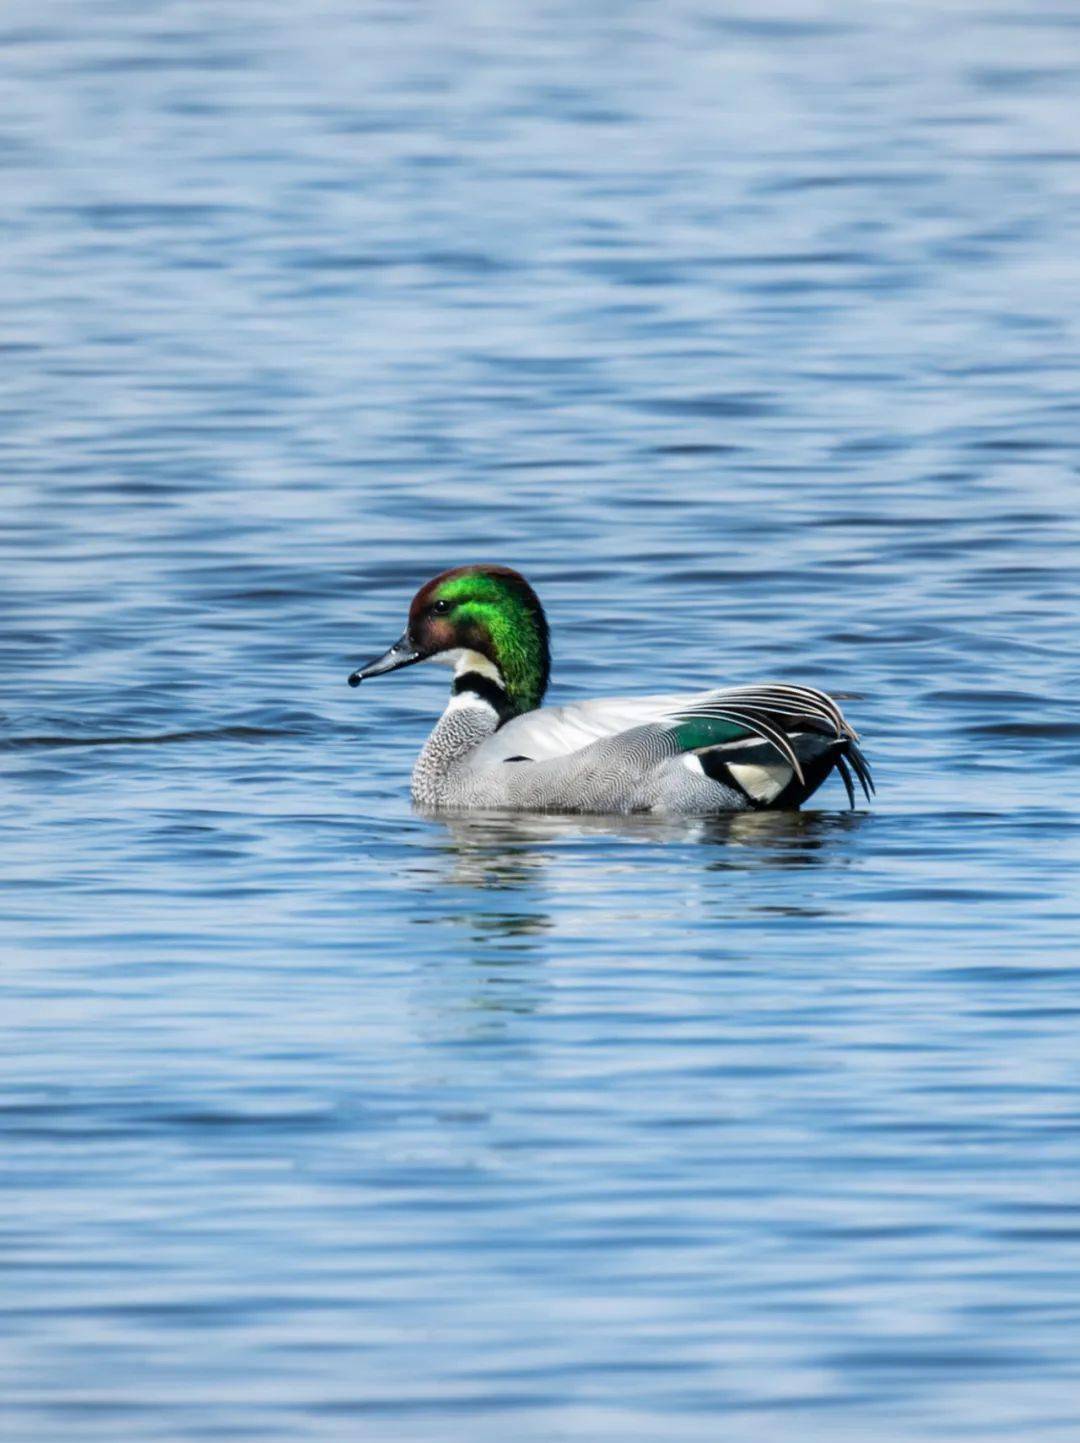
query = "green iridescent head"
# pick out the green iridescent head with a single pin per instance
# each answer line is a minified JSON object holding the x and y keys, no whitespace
{"x":485,"y":620}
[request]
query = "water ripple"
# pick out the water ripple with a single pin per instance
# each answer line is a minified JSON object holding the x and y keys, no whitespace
{"x":750,"y":337}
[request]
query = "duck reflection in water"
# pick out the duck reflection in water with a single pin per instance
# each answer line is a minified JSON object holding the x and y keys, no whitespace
{"x":494,"y":850}
{"x":551,"y":861}
{"x":505,"y":889}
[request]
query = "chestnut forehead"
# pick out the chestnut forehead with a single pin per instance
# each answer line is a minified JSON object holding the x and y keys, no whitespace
{"x":427,"y":593}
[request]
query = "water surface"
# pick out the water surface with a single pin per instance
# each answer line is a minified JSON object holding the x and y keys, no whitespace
{"x":751,"y":336}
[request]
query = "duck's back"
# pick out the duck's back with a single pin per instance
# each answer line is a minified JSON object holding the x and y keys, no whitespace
{"x":557,"y":731}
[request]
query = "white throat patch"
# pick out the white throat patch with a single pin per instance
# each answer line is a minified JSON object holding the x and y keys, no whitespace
{"x":464,"y":660}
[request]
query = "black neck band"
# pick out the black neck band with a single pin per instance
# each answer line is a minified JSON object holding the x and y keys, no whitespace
{"x":486,"y":689}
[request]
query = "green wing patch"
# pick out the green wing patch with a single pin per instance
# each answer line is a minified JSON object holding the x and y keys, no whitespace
{"x":698,"y":732}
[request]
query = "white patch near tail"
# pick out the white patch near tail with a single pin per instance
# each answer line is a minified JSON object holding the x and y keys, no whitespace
{"x":764,"y":782}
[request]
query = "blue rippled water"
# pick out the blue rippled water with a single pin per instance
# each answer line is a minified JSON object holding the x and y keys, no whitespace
{"x":751,"y":335}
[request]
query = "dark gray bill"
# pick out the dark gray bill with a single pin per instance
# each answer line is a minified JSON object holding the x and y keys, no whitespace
{"x":402,"y":653}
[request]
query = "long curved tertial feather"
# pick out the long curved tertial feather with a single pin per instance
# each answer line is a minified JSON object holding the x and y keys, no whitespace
{"x":861,"y":769}
{"x":781,"y":699}
{"x":845,"y":777}
{"x":766,"y":711}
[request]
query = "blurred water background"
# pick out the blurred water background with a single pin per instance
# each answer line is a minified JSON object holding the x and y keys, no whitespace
{"x":751,"y":335}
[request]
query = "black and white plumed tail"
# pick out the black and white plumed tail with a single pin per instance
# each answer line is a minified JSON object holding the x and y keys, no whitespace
{"x":780,"y":715}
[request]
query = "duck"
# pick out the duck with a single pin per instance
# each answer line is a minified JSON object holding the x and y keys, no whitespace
{"x":496,"y":747}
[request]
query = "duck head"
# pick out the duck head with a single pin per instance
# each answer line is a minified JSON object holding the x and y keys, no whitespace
{"x":487,"y":623}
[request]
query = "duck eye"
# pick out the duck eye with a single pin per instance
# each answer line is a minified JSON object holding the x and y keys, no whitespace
{"x":441,"y":608}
